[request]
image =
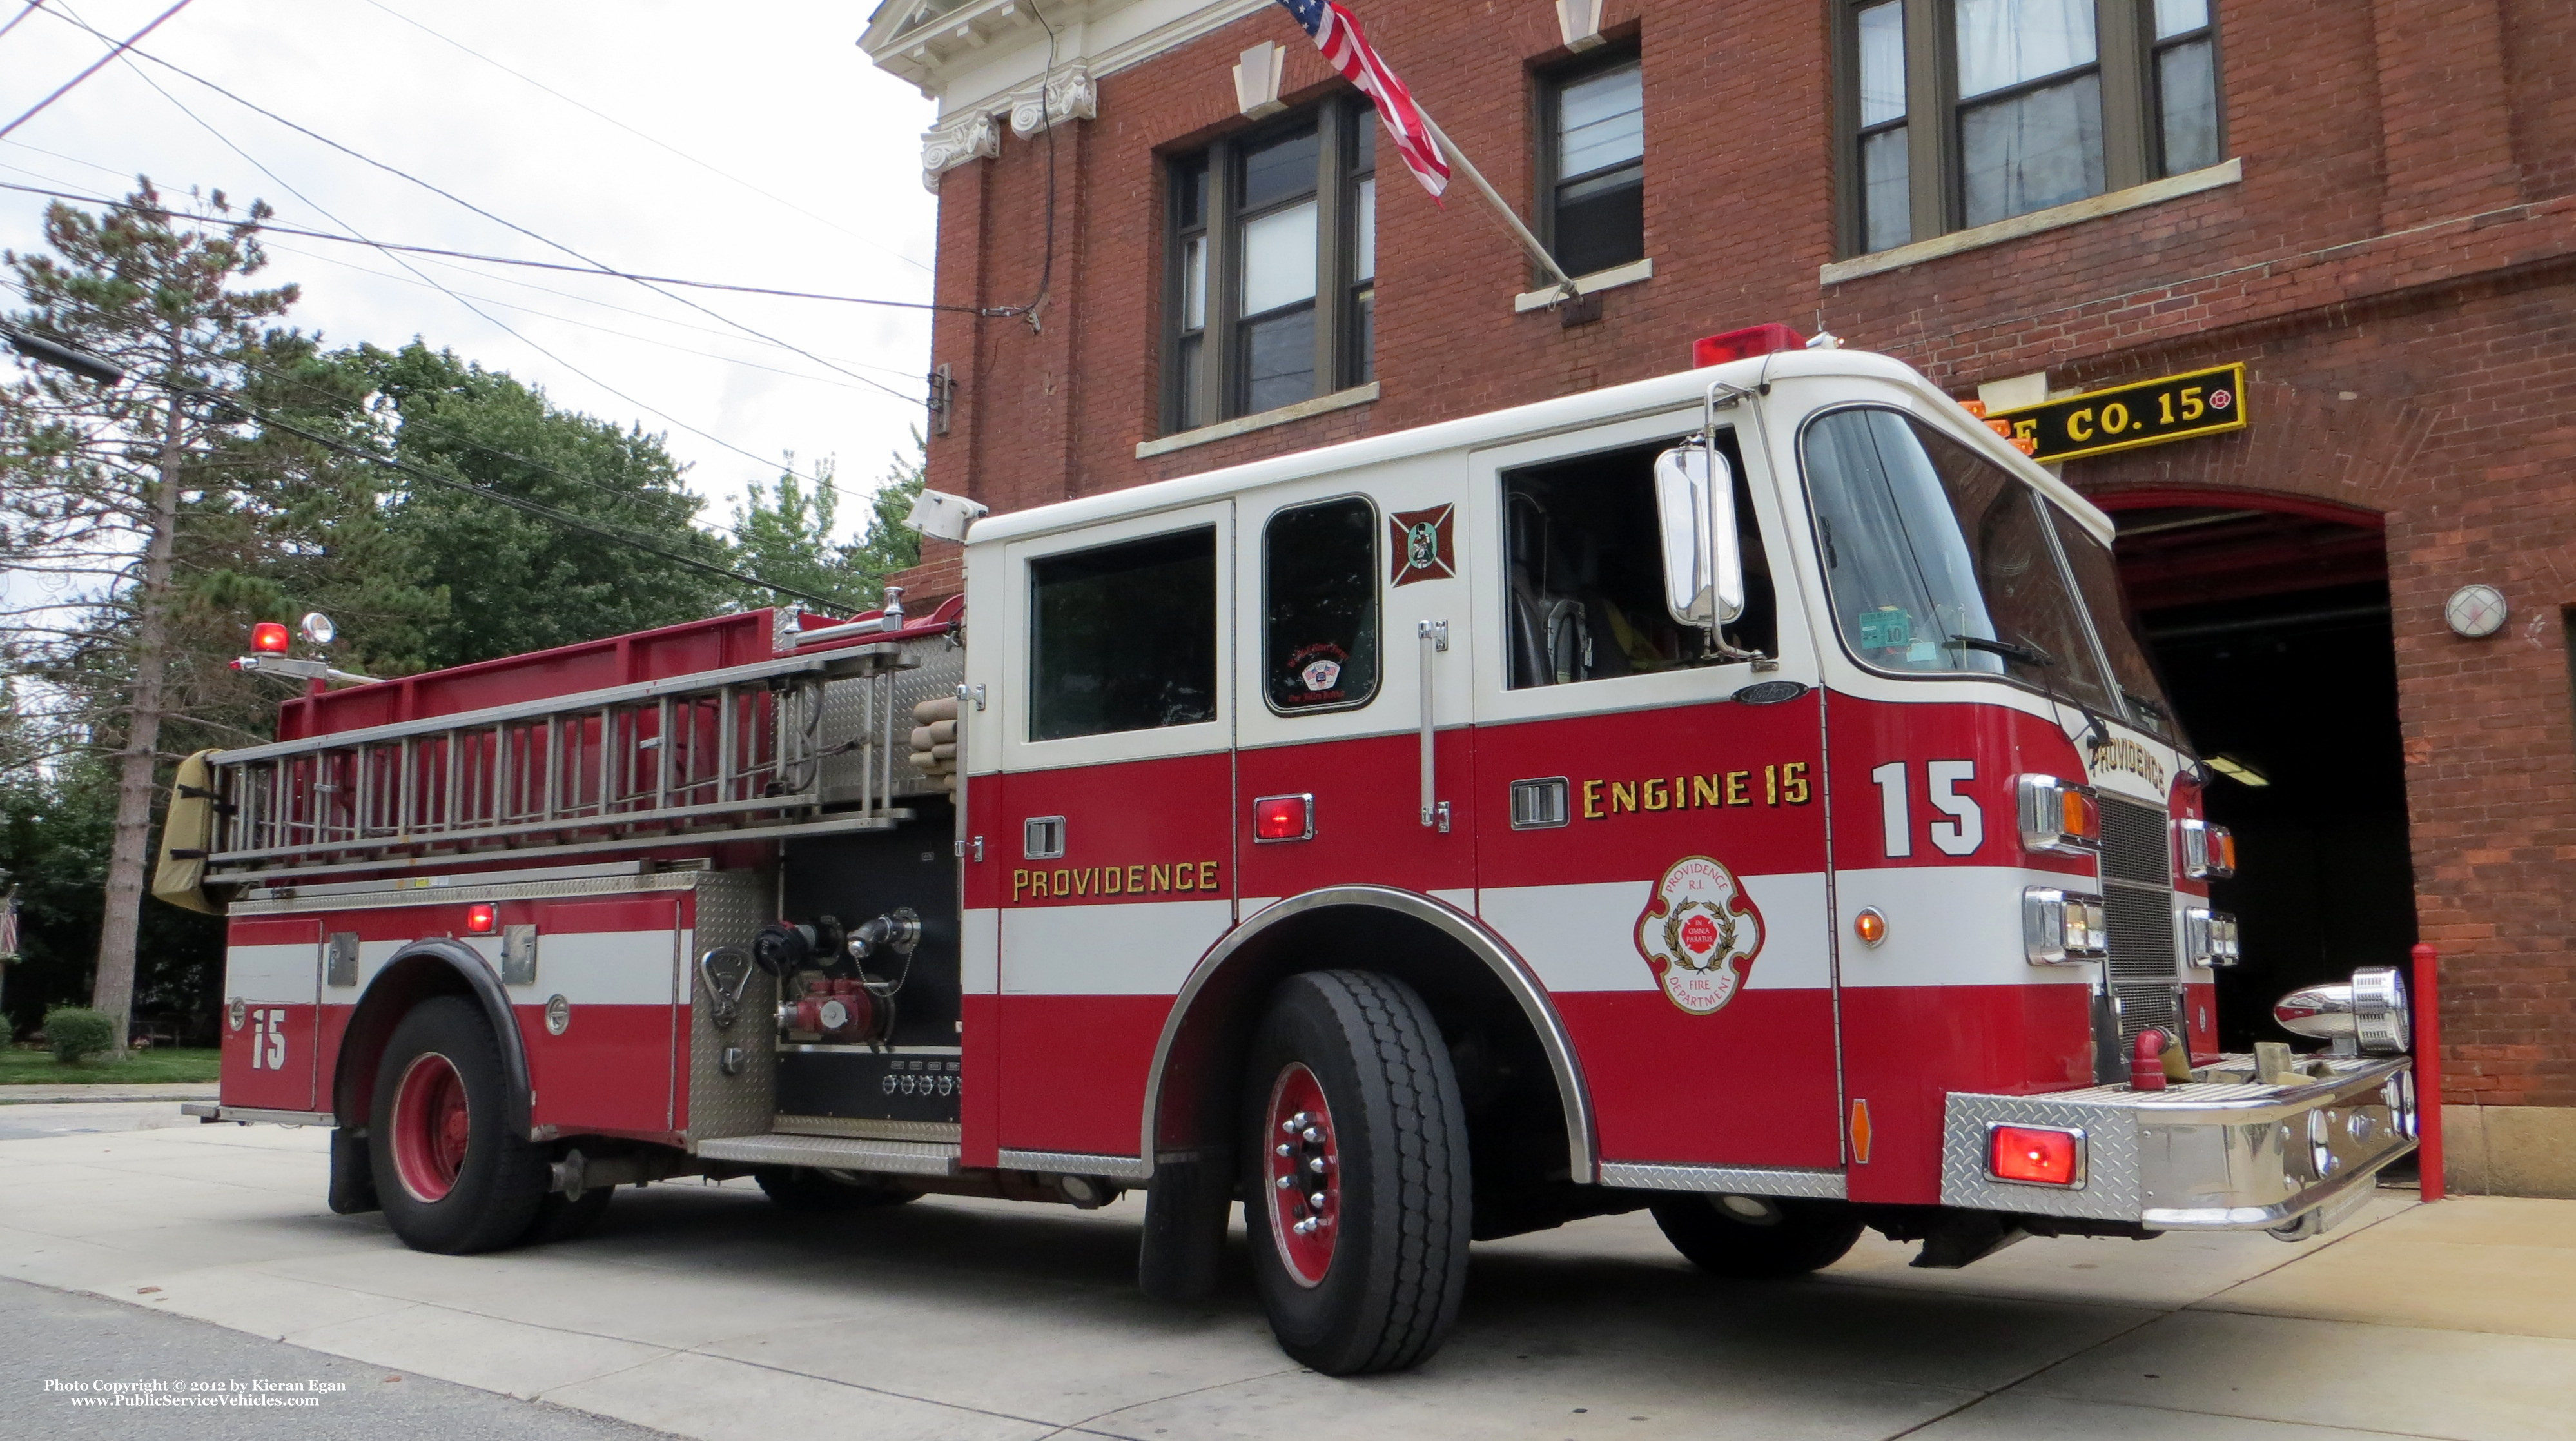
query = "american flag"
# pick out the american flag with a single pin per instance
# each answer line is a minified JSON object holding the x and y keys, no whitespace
{"x":1337,"y":33}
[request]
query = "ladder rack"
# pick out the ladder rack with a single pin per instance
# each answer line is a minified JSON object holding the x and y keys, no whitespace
{"x":724,"y":755}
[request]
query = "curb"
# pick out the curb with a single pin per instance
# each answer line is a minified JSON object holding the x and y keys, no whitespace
{"x":107,"y":1096}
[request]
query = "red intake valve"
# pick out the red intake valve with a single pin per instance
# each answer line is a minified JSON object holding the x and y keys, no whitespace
{"x":836,"y":1010}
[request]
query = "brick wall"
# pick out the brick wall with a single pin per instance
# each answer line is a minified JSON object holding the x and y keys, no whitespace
{"x":2397,"y":266}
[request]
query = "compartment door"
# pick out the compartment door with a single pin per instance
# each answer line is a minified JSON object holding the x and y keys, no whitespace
{"x":272,"y":1006}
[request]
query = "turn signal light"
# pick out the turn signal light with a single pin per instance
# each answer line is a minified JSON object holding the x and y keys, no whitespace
{"x":2058,"y":815}
{"x":269,"y":636}
{"x":1283,"y":818}
{"x":2208,"y":852}
{"x":1743,"y":344}
{"x":482,"y":918}
{"x":2035,"y":1155}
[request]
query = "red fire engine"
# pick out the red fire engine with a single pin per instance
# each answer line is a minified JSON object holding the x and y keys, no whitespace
{"x":1738,"y":794}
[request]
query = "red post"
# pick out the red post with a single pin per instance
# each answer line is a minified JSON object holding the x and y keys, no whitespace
{"x":2428,"y":1070}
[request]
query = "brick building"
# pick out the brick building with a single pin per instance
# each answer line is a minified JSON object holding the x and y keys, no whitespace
{"x":2371,"y":204}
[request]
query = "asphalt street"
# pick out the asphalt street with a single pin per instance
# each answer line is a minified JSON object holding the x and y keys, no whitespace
{"x":69,"y":1359}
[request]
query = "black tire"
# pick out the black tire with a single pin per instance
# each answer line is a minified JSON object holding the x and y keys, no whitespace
{"x":500,"y":1180}
{"x":1795,"y":1238}
{"x":560,"y":1220}
{"x":807,"y":1188}
{"x":1397,"y":1265}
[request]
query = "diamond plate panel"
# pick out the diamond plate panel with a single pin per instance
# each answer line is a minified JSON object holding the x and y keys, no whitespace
{"x":939,"y":668}
{"x":1729,"y":1180}
{"x":906,"y":1158}
{"x":867,"y":1128}
{"x":732,"y":906}
{"x":2110,"y":1190}
{"x":1077,"y":1163}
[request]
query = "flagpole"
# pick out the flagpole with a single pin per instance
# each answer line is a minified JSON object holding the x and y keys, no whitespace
{"x":1555,"y":272}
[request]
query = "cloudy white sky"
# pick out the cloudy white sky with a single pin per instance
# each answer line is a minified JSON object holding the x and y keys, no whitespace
{"x":693,"y":110}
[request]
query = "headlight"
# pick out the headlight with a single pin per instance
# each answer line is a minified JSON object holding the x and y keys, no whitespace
{"x":2059,"y":816}
{"x":2063,"y":928}
{"x":2209,"y":937}
{"x":2367,"y":1013}
{"x":2208,"y":852}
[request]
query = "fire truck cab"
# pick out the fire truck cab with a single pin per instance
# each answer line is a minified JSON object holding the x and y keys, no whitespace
{"x":1739,"y":794}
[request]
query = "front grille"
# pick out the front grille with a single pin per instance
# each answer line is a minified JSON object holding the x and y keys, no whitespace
{"x":2137,"y":894}
{"x":2136,"y":844}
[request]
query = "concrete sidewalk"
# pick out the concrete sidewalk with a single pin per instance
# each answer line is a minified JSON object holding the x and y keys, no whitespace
{"x":38,"y":1095}
{"x":704,"y":1311}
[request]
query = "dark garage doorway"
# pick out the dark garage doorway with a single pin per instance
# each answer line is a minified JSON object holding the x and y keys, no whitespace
{"x":2269,"y":619}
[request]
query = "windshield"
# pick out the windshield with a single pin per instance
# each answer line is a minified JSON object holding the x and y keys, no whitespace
{"x":1939,"y":561}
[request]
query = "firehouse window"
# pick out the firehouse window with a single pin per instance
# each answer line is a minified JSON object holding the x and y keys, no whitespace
{"x":1123,"y":637}
{"x":1586,"y":599}
{"x":1271,"y":266}
{"x":1320,"y":638}
{"x":1941,"y":562}
{"x":1596,"y":156}
{"x":1960,"y":113}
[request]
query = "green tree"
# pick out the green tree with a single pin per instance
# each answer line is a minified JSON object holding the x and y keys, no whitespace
{"x":783,"y":532}
{"x":96,"y":479}
{"x":889,"y":545}
{"x":516,"y":582}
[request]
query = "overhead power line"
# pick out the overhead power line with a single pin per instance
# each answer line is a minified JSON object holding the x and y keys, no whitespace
{"x":21,"y":15}
{"x":95,"y":66}
{"x":649,"y":139}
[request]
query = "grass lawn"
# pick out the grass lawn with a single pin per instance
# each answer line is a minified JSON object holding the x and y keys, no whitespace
{"x":22,"y":1067}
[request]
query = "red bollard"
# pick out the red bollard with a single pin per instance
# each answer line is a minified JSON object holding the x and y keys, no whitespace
{"x":2428,"y":1071}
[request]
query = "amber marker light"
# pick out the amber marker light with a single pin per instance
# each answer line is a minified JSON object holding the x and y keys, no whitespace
{"x":1870,"y":926}
{"x":482,"y":918}
{"x":2035,"y":1155}
{"x":269,"y":637}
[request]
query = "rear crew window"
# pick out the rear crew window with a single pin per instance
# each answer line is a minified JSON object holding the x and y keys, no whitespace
{"x":1320,"y":631}
{"x":1123,"y":637}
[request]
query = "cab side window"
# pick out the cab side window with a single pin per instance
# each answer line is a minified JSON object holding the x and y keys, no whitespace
{"x":1320,"y":628}
{"x":1123,"y":637}
{"x":1587,"y":572}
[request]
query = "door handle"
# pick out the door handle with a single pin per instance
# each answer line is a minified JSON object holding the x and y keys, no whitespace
{"x":1434,"y":635}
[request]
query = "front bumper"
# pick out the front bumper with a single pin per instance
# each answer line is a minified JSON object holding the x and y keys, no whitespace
{"x":2216,"y":1154}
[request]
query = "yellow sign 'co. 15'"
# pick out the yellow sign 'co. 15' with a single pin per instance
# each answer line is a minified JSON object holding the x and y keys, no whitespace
{"x":2150,"y":412}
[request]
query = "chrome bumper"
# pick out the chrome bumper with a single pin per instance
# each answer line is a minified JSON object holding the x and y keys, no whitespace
{"x":2213,"y":1155}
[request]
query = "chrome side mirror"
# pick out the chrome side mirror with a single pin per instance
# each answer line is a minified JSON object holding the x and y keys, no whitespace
{"x":1703,"y":562}
{"x":2367,"y":1013}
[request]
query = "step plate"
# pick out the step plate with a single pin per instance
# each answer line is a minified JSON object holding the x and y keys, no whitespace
{"x":837,"y":1153}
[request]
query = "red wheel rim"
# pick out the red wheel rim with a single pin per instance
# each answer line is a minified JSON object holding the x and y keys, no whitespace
{"x":431,"y":1127}
{"x":1303,"y":1175}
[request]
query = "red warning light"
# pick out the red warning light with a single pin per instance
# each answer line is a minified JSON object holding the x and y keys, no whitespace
{"x":2037,"y":1155}
{"x":269,"y":636}
{"x":482,"y":918}
{"x":1740,"y":344}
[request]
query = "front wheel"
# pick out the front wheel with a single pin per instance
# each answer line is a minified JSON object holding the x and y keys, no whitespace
{"x":453,"y":1176}
{"x":1757,"y":1237}
{"x":1356,"y":1164}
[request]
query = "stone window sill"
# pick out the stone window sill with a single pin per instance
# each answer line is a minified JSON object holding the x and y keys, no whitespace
{"x":2154,"y":192}
{"x":1632,"y":273}
{"x":1262,"y":420}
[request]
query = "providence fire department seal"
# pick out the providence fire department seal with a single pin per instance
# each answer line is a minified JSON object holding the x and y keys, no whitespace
{"x":1700,"y":933}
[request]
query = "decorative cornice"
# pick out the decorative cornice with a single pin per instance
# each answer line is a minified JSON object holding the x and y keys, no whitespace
{"x":945,"y":147}
{"x":1068,"y":94}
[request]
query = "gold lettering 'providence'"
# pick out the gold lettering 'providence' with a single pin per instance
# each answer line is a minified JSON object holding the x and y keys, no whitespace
{"x":1779,"y":785}
{"x":1066,"y":883}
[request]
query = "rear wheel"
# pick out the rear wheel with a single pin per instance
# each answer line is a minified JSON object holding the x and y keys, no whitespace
{"x":1757,"y":1237}
{"x":814,"y":1188}
{"x":1356,"y":1164}
{"x":453,"y":1177}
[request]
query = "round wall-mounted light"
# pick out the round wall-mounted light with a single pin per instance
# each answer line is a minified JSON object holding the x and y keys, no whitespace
{"x":2475,"y":611}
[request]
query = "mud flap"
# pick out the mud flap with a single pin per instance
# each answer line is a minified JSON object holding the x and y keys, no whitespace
{"x":353,"y":1179}
{"x":1187,"y":1204}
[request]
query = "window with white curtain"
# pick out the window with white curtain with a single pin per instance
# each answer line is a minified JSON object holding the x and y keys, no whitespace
{"x":1960,"y":113}
{"x":1270,"y":276}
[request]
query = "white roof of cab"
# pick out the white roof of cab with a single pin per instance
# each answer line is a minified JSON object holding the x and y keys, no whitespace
{"x":1582,"y":411}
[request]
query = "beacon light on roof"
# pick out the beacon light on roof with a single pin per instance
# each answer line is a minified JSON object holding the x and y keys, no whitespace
{"x":269,"y":637}
{"x":1741,"y":344}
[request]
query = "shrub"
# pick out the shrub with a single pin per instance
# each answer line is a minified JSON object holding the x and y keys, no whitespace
{"x":76,"y":1031}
